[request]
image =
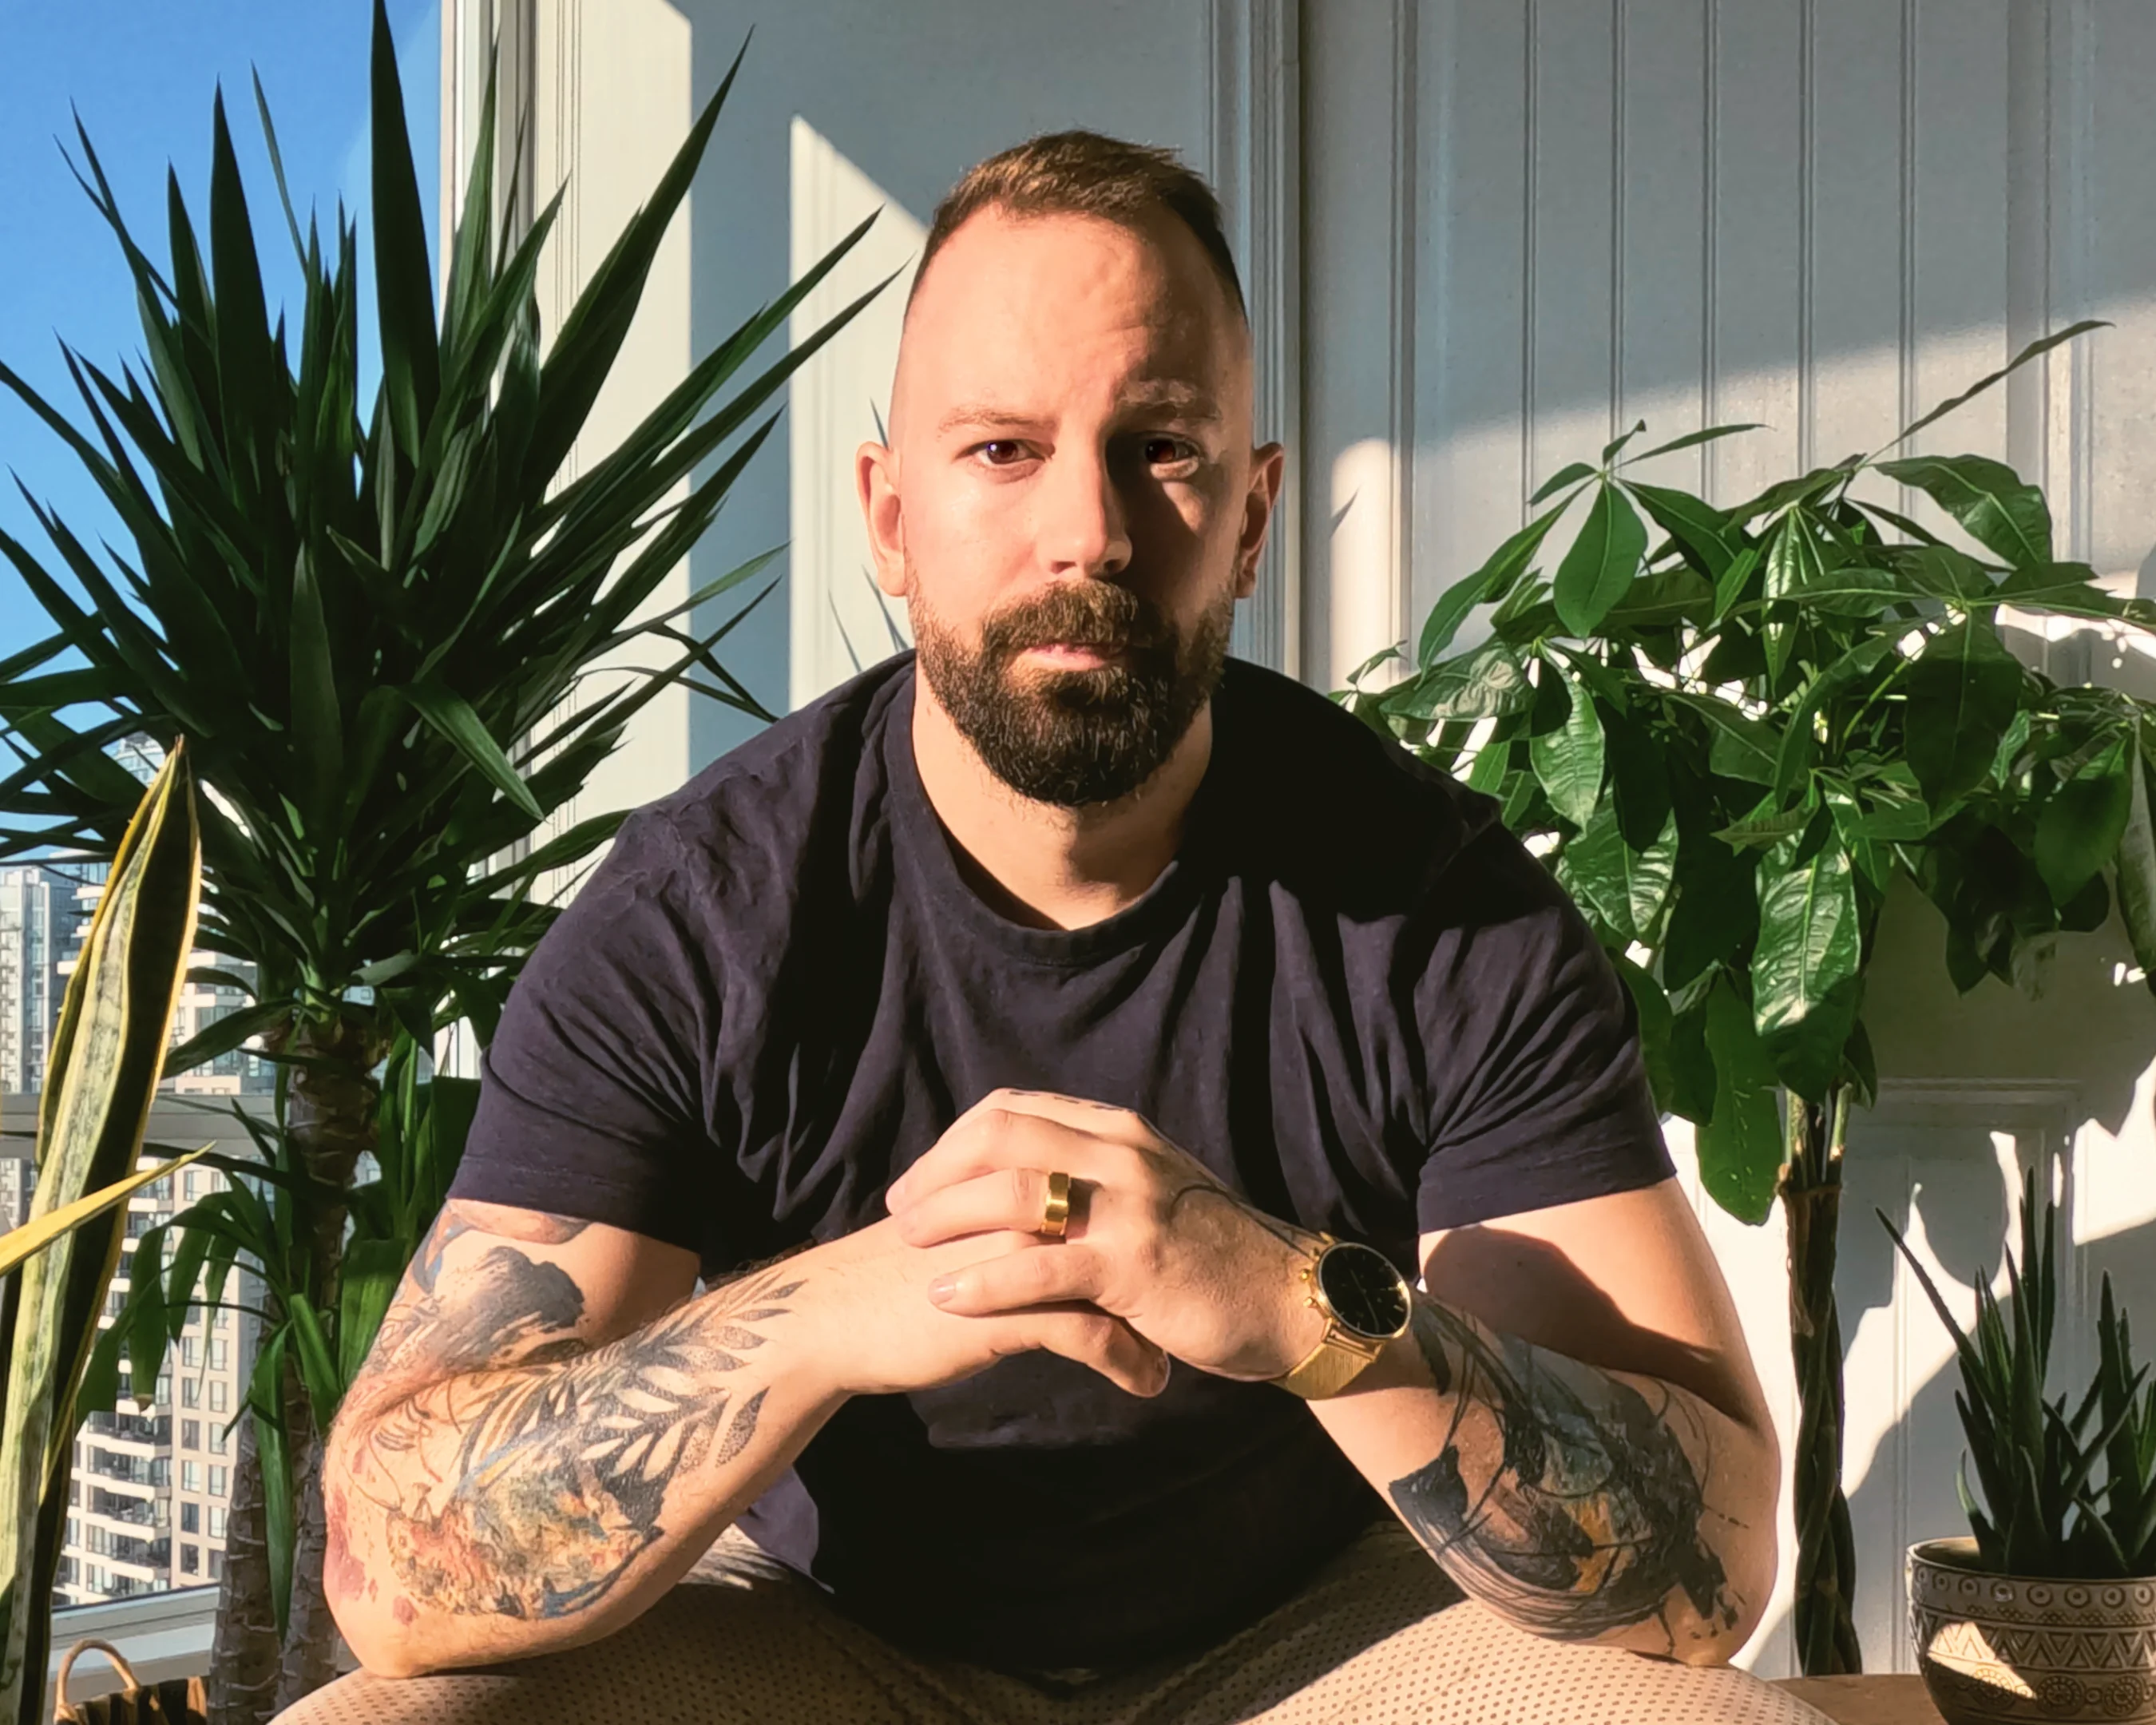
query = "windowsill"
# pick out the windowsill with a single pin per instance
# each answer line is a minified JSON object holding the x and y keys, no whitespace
{"x":161,"y":1635}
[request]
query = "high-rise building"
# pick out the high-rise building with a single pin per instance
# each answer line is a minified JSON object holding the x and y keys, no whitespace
{"x":147,"y":1504}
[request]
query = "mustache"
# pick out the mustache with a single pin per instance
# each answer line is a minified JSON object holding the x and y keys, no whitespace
{"x":1095,"y":614}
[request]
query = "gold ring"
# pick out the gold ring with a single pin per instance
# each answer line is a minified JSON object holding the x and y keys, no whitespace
{"x":1055,"y":1212}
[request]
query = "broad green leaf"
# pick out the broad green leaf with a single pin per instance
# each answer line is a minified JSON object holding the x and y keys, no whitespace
{"x":1656,"y":1021}
{"x":1601,"y":562}
{"x":1768,"y":823}
{"x":2081,"y":825}
{"x":1625,"y":889}
{"x":2042,"y":344}
{"x":1714,"y":913}
{"x":1495,"y":578}
{"x":1743,"y":748}
{"x":1944,"y":573}
{"x":1568,"y":760}
{"x":1740,"y":1148}
{"x":1800,"y":741}
{"x":1570,"y":475}
{"x":2136,"y":868}
{"x":1487,"y":682}
{"x":1706,"y":537}
{"x":1804,"y":977}
{"x":1963,"y":691}
{"x":1993,"y":503}
{"x":1690,"y":439}
{"x":452,"y":716}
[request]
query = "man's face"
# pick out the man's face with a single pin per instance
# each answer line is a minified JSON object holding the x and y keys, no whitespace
{"x":1072,"y":515}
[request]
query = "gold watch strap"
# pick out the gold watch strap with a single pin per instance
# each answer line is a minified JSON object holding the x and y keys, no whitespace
{"x":1331,"y":1367}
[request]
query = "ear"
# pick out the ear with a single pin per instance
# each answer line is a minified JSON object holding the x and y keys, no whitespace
{"x":1268,"y":468}
{"x":876,"y":481}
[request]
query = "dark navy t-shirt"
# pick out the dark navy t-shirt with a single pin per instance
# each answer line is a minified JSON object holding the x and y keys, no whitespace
{"x":1354,"y":995}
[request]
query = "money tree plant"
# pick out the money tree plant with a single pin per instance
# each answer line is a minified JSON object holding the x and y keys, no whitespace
{"x":1727,"y":729}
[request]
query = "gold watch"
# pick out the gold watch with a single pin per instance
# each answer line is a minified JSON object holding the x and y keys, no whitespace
{"x":1366,"y":1303}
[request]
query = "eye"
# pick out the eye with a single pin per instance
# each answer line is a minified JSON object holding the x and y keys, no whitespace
{"x":1169,"y":451}
{"x":1012,"y":449}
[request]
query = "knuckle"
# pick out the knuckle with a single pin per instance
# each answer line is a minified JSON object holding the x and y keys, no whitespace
{"x":1020,"y":1182}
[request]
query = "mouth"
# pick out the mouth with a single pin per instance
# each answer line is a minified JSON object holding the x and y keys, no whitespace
{"x":1073,"y":655}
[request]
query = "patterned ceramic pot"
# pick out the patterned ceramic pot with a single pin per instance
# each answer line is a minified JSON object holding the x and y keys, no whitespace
{"x":1995,"y":1649}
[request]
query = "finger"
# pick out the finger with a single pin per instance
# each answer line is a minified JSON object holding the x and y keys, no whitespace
{"x":1012,"y":1198}
{"x":1033,"y":1275}
{"x":1091,"y":1337}
{"x":987,"y":1139}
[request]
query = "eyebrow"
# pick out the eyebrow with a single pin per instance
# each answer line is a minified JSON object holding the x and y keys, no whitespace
{"x":1184,"y":401}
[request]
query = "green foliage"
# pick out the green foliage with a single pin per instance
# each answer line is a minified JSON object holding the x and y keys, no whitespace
{"x":2064,"y":1495}
{"x":108,"y":1052}
{"x":1727,"y":742}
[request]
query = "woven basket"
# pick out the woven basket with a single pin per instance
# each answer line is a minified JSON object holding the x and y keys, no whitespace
{"x":177,"y":1701}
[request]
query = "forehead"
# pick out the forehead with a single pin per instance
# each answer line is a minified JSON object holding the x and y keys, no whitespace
{"x":1048,"y":301}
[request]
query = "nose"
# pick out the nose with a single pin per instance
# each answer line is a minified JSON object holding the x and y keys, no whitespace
{"x":1084,"y":528}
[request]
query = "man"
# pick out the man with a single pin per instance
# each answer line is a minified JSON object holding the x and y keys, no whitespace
{"x":1057,"y":1053}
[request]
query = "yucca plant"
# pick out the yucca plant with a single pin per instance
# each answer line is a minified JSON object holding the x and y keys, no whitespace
{"x":370,"y":621}
{"x":107,"y":1055}
{"x":1727,"y":733}
{"x":2064,"y":1496}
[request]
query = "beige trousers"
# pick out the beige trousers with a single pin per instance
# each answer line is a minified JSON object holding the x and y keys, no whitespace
{"x":1378,"y":1637}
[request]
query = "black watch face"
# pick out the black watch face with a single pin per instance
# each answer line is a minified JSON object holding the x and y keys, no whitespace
{"x":1364,"y":1291}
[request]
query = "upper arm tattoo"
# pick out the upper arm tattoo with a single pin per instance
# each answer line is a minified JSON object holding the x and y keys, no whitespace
{"x":529,"y":1469}
{"x":1590,"y":1520}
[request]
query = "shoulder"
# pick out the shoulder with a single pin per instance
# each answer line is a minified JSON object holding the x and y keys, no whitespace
{"x":801,"y":788}
{"x":1323,"y":798}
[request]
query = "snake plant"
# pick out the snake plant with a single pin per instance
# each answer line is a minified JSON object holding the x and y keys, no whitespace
{"x":2068,"y":1496}
{"x":108,"y":1055}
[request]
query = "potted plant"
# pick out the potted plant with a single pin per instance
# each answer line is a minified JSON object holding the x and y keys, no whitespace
{"x":373,"y":615}
{"x":1727,"y":735}
{"x":109,"y":1052}
{"x":2047,"y":1608}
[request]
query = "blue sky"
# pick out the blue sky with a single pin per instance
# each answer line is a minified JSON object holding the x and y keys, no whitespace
{"x":143,"y":74}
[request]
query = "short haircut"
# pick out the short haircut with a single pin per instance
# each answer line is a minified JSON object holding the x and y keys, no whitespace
{"x":1084,"y":173}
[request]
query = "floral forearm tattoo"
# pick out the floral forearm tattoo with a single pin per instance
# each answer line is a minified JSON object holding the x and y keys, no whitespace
{"x":530,"y":1470}
{"x":1580,"y":1515}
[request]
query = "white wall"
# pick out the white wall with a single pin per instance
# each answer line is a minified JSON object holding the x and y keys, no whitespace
{"x":1479,"y":237}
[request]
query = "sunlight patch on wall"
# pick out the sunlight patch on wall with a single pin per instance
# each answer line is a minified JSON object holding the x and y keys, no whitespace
{"x":841,"y":623}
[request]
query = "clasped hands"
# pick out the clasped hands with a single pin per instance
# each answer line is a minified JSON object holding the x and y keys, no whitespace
{"x":1154,"y":1240}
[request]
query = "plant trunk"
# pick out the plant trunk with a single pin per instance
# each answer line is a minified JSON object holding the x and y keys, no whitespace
{"x":242,"y":1658}
{"x":1826,"y":1544}
{"x":329,"y":1122}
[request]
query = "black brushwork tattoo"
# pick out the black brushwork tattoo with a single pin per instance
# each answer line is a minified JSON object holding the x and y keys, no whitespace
{"x":527,"y":1490}
{"x":1588,"y":1521}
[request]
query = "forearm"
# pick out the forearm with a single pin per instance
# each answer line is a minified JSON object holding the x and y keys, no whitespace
{"x":501,"y":1513}
{"x":1580,"y":1504}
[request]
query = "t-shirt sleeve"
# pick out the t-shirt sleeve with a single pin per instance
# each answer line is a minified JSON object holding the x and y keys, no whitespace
{"x":1538,"y":1092}
{"x":590,"y":1093}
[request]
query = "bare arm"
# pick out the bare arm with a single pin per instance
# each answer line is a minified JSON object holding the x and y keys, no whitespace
{"x":542,"y":1439}
{"x":547,"y":1434}
{"x":1572,"y":1428}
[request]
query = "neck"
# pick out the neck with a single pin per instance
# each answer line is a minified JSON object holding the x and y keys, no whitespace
{"x":1042,"y":864}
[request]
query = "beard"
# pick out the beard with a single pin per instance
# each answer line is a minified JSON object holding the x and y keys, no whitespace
{"x":1089,"y":735}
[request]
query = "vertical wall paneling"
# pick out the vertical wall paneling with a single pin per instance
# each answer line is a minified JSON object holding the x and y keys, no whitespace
{"x":1254,"y":92}
{"x":1358,"y":67}
{"x":1473,"y":340}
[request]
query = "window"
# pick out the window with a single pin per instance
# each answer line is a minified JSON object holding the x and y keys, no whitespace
{"x":190,"y":1350}
{"x":216,"y":1523}
{"x":217,"y":1475}
{"x":190,"y":1392}
{"x":191,"y":1518}
{"x":190,"y":1185}
{"x":191,"y":1434}
{"x":190,"y":1560}
{"x":216,"y":1394}
{"x":216,"y":1438}
{"x":221,"y":1320}
{"x":191,"y":1475}
{"x":161,"y":1470}
{"x":165,"y":1386}
{"x":216,"y":1564}
{"x":218,"y":1353}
